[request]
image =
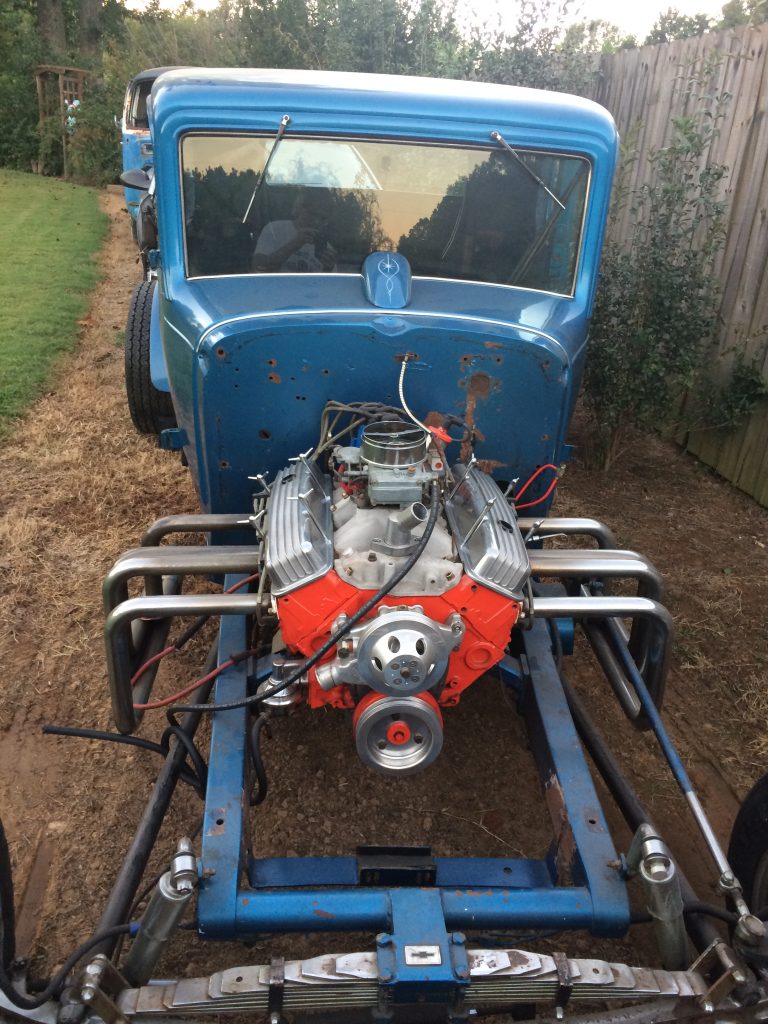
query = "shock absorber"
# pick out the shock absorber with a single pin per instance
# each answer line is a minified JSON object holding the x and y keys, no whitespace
{"x":164,"y":911}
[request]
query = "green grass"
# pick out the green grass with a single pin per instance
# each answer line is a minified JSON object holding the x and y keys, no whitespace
{"x":50,"y":235}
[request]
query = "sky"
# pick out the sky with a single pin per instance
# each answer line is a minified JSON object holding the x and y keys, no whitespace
{"x":638,"y":18}
{"x":633,"y":18}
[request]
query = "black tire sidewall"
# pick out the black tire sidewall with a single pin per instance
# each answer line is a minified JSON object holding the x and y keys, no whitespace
{"x":151,"y":410}
{"x":748,"y":848}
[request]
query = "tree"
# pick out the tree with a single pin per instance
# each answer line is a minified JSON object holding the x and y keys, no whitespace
{"x":90,"y":26}
{"x":743,"y":12}
{"x":597,"y":36}
{"x":50,"y":20}
{"x":673,"y":25}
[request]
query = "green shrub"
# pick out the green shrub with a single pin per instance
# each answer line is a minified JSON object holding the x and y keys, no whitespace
{"x":656,"y":313}
{"x":93,"y":149}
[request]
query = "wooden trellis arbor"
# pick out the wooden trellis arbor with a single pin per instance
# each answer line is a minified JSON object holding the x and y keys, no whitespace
{"x":57,"y":89}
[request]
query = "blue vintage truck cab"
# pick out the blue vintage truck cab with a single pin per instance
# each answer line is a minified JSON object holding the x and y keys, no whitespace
{"x":368,"y":324}
{"x":135,"y":136}
{"x":457,"y":228}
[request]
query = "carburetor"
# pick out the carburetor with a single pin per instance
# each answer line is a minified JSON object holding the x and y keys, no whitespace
{"x":393,"y":464}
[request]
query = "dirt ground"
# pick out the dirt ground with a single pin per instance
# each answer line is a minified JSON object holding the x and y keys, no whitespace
{"x":78,"y":486}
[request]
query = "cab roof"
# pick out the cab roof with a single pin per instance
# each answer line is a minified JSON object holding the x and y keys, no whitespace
{"x":237,"y":98}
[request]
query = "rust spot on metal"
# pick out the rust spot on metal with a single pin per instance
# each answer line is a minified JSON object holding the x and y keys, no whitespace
{"x":564,"y":841}
{"x":480,"y":385}
{"x":493,"y":344}
{"x":517,"y":959}
{"x":488,"y":465}
{"x":220,"y":823}
{"x":275,"y":378}
{"x":323,"y":913}
{"x":434,"y":419}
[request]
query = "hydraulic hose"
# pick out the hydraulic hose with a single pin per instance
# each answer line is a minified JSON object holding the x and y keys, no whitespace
{"x":58,"y":981}
{"x":259,"y":793}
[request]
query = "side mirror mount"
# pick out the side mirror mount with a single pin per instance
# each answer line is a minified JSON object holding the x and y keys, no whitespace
{"x":136,"y":178}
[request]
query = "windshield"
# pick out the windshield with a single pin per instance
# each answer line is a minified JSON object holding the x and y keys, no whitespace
{"x":473,"y":214}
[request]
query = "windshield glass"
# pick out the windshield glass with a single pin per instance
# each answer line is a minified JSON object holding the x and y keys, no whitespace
{"x":474,"y":214}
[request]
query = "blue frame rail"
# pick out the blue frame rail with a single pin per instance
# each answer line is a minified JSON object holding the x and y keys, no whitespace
{"x":577,"y":886}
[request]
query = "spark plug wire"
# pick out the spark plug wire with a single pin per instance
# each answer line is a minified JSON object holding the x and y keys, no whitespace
{"x":180,"y":694}
{"x":529,"y":481}
{"x":187,"y":635}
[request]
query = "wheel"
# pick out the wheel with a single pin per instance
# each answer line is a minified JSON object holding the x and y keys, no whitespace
{"x":151,"y":410}
{"x":7,"y":920}
{"x":748,"y":848}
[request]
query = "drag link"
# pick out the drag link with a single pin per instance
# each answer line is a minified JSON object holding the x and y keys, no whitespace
{"x":750,"y":928}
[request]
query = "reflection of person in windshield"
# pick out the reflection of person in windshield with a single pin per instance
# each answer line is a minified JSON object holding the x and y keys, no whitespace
{"x":298,"y":245}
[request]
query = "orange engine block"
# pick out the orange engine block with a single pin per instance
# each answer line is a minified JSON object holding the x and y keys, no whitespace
{"x":307,"y":616}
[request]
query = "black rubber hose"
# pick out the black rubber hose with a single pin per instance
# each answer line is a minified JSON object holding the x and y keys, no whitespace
{"x":370,"y":604}
{"x":259,"y":793}
{"x":133,"y":867}
{"x":59,"y":980}
{"x":7,"y":917}
{"x":694,"y":908}
{"x":197,"y":759}
{"x":196,"y":779}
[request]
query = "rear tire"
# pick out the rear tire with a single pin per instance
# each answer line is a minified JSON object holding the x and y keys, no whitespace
{"x":7,"y":919}
{"x":748,"y":848}
{"x":151,"y":410}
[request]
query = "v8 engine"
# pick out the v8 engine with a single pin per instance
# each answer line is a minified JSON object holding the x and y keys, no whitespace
{"x":413,"y":603}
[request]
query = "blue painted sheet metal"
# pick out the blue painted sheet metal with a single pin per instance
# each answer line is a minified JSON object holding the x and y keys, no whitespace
{"x":157,"y":367}
{"x":253,"y":394}
{"x":372,"y":105}
{"x":243,"y":415}
{"x":418,"y":920}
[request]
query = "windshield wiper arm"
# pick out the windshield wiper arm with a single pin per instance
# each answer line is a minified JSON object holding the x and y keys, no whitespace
{"x":285,"y":120}
{"x":498,"y":137}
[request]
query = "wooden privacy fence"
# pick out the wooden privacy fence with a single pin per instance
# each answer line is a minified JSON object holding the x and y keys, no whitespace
{"x":645,"y":89}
